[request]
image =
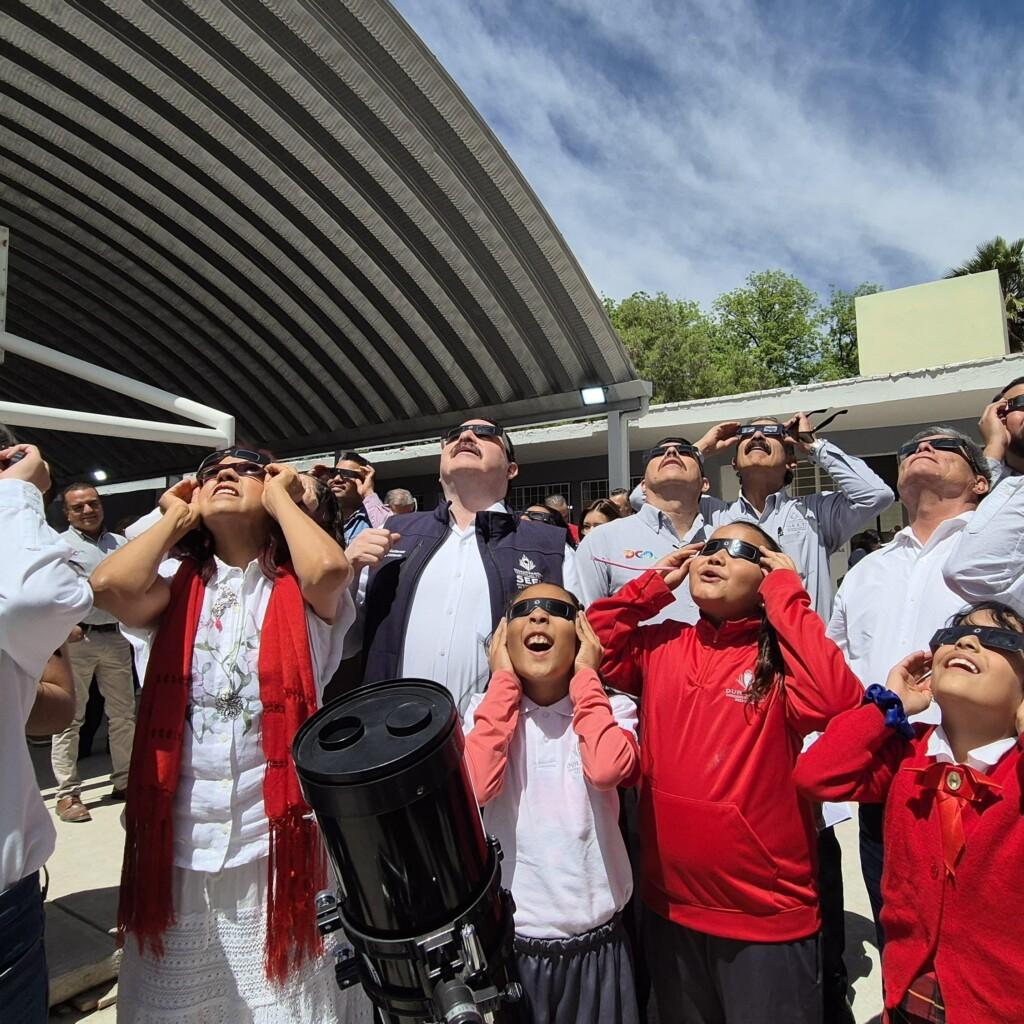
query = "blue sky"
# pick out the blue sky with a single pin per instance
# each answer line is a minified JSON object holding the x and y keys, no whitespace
{"x":680,"y":145}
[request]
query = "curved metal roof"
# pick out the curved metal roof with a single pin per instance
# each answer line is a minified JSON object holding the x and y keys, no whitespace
{"x":283,"y":209}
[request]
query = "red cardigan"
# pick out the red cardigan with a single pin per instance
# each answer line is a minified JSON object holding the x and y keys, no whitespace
{"x":729,"y":845}
{"x":967,"y":928}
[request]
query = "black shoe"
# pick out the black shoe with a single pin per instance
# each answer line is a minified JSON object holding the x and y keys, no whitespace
{"x":118,"y":794}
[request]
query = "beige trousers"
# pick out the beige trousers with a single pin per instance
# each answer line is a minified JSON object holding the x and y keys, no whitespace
{"x":108,"y":656}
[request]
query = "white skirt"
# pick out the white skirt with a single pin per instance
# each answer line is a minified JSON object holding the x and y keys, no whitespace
{"x":212,"y":968}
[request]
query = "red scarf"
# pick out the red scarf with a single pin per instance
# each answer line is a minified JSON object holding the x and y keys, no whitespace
{"x":288,"y":695}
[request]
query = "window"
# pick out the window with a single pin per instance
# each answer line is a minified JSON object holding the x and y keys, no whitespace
{"x":522,"y":497}
{"x":591,"y":490}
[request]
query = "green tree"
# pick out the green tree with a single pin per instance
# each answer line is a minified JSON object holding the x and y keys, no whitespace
{"x":774,"y":322}
{"x":1007,"y":258}
{"x":674,"y":345}
{"x":837,"y":357}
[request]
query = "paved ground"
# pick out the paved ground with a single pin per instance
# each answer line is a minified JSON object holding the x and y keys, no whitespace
{"x":84,"y":873}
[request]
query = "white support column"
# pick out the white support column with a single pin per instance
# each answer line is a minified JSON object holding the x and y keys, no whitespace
{"x":618,"y":450}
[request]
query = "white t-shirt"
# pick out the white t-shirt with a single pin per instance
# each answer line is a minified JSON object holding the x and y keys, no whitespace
{"x":564,"y":857}
{"x":41,"y":599}
{"x":219,"y":817}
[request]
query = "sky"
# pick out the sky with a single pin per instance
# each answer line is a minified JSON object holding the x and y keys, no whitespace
{"x":679,"y":146}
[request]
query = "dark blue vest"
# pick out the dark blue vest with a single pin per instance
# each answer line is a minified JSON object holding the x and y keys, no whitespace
{"x":516,"y":554}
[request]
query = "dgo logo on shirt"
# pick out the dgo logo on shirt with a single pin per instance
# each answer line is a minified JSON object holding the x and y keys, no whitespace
{"x":526,"y":573}
{"x":637,"y":553}
{"x":738,"y":692}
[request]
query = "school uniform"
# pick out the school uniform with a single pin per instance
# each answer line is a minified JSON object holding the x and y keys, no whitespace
{"x":954,"y":844}
{"x":546,"y":777}
{"x":729,"y":844}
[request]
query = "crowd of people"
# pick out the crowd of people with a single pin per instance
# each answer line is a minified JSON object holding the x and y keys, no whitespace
{"x":667,"y":708}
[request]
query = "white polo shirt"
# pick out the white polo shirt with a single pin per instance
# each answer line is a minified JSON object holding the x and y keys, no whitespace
{"x":565,"y":860}
{"x":893,"y":601}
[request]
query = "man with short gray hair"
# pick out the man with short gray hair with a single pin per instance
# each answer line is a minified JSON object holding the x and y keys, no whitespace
{"x":400,"y":501}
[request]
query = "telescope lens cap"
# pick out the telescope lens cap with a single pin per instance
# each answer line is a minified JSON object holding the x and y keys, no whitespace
{"x":411,"y":717}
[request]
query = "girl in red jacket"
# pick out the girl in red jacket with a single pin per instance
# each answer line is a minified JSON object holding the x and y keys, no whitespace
{"x":546,"y":749}
{"x":728,"y":843}
{"x":954,"y":833}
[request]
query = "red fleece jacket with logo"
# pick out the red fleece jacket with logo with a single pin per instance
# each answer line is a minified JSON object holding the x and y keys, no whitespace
{"x":965,"y":927}
{"x":728,"y":842}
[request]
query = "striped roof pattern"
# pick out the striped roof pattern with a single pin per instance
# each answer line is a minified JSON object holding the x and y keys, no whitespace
{"x":284,"y":209}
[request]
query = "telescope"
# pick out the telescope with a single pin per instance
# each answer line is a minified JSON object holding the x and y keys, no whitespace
{"x":418,"y":892}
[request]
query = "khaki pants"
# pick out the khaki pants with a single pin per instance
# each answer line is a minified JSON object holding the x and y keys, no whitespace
{"x":107,"y":656}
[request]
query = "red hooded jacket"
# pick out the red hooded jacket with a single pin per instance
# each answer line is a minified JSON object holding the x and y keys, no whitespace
{"x":729,"y":845}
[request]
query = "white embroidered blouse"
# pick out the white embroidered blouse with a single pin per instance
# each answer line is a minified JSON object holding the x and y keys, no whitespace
{"x":219,"y":818}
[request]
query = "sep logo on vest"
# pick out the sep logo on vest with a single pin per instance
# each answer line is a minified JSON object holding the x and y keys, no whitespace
{"x":526,"y":573}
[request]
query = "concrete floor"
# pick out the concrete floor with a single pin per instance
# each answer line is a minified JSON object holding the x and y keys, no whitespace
{"x":86,"y":865}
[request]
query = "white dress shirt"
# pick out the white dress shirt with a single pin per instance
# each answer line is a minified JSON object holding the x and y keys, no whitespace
{"x":41,"y":599}
{"x":892,"y":603}
{"x":219,"y":816}
{"x":988,"y":564}
{"x":564,"y":857}
{"x":88,"y":553}
{"x":450,"y":615}
{"x":981,"y":759}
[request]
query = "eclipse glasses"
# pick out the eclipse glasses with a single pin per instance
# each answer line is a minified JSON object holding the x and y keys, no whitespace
{"x":995,"y":639}
{"x":734,"y":548}
{"x":559,"y":609}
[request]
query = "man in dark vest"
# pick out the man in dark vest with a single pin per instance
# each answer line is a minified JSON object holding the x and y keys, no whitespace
{"x":435,"y":598}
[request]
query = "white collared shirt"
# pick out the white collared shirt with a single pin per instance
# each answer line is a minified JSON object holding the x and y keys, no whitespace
{"x":450,"y":615}
{"x":564,"y":857}
{"x":616,"y":553}
{"x":981,"y":759}
{"x":892,"y":603}
{"x":41,"y":599}
{"x":89,"y":552}
{"x":219,"y":817}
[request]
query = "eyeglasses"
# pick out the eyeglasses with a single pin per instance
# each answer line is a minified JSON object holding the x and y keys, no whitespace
{"x":988,"y":636}
{"x":1012,"y":405}
{"x":940,"y":444}
{"x":207,"y":473}
{"x":489,"y":431}
{"x":764,"y":429}
{"x":560,"y":609}
{"x":542,"y":517}
{"x":327,"y":473}
{"x":680,"y":449}
{"x":233,"y":453}
{"x":734,"y":548}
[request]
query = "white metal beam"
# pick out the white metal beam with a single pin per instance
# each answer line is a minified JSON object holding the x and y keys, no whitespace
{"x":219,"y":426}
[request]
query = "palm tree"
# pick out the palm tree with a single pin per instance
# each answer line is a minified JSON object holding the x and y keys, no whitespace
{"x":1007,"y":258}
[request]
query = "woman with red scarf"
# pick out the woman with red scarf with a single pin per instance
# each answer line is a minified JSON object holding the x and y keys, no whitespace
{"x":222,"y":861}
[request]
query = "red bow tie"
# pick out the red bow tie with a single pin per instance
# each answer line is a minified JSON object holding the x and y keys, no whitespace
{"x":954,"y":785}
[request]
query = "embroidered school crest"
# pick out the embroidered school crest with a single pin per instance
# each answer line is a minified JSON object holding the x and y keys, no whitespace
{"x":526,"y":573}
{"x":738,"y":691}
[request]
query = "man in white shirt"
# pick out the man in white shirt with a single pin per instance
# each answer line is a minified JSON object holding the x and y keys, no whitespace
{"x":41,"y":599}
{"x":891,"y":603}
{"x":1002,"y":431}
{"x":436,"y":596}
{"x":103,"y":652}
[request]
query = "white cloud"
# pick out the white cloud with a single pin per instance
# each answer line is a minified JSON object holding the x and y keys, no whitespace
{"x":681,"y":145}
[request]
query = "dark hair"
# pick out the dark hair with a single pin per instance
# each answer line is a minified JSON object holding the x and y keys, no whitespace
{"x":1013,"y":383}
{"x":78,"y":485}
{"x":603,"y":506}
{"x":355,"y":457}
{"x":1004,"y":615}
{"x":328,"y":512}
{"x":868,"y":540}
{"x":557,"y":514}
{"x":770,"y":668}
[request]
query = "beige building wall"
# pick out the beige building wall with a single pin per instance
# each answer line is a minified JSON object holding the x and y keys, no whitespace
{"x":951,"y":321}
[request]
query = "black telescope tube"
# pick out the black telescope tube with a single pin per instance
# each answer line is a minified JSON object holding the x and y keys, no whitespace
{"x":382,"y":769}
